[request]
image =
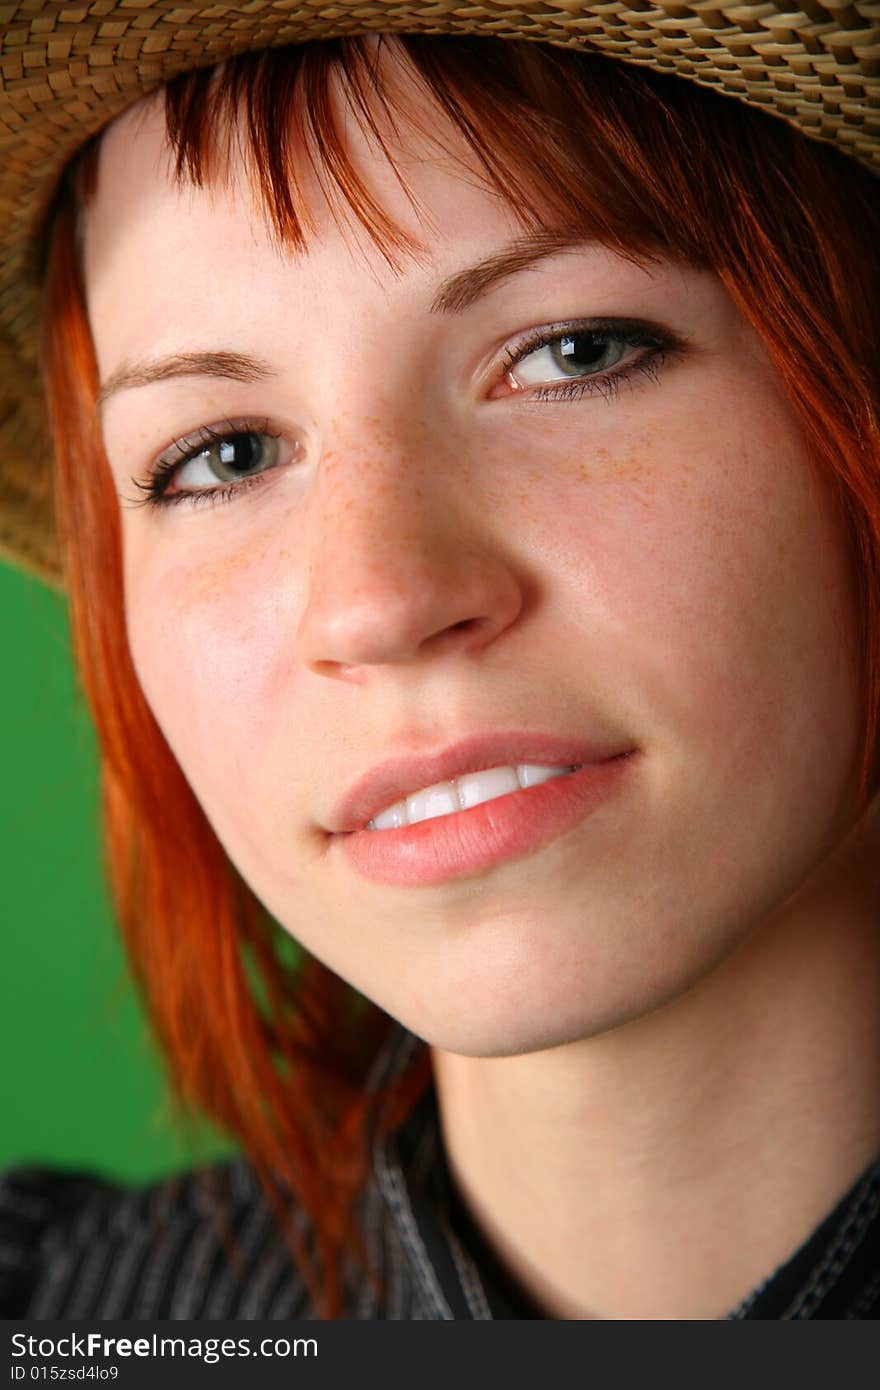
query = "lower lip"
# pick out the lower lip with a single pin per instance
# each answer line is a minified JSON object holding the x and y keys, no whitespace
{"x":467,"y":842}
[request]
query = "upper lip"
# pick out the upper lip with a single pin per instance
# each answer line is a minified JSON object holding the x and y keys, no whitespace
{"x":398,"y":777}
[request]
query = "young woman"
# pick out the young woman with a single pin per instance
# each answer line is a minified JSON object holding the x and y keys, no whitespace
{"x":468,"y":487}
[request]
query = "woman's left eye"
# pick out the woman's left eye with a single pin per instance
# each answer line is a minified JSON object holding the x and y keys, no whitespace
{"x":587,"y":358}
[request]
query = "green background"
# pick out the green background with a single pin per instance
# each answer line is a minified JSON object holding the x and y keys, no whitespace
{"x":81,"y":1084}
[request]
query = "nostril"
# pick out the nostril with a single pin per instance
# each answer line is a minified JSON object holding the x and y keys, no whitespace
{"x":463,"y":626}
{"x":452,"y":634}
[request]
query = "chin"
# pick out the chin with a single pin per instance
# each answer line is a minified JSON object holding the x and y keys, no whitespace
{"x":502,"y":1031}
{"x":556,"y":1001}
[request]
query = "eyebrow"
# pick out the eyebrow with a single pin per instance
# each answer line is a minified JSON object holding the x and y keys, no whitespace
{"x":232,"y":366}
{"x":461,"y":290}
{"x":455,"y":295}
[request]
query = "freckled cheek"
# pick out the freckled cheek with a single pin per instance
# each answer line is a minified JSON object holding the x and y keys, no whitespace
{"x":210,"y":645}
{"x":624,"y":525}
{"x":689,"y":562}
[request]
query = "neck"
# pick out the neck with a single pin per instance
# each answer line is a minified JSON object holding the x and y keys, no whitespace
{"x":664,"y":1168}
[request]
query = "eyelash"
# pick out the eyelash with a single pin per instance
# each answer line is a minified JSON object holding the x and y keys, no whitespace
{"x":660,"y":343}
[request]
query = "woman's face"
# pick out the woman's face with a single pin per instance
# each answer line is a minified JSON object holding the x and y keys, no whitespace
{"x":433,"y":550}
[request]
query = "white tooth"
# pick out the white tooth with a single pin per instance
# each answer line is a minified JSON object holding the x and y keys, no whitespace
{"x":477,"y":787}
{"x":392,"y":819}
{"x":439,"y":800}
{"x":532,"y":775}
{"x":445,"y":798}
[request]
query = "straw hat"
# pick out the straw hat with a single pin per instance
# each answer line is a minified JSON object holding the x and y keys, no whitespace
{"x":69,"y":66}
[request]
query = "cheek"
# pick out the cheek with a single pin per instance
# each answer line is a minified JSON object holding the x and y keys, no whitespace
{"x":708,"y":574}
{"x":209,"y":641}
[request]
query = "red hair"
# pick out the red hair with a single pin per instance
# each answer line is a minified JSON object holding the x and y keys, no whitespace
{"x":269,"y":1043}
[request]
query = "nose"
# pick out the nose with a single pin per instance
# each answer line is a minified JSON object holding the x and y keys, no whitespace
{"x":401,"y":564}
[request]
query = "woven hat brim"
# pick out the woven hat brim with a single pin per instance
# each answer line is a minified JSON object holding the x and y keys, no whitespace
{"x":68,"y":69}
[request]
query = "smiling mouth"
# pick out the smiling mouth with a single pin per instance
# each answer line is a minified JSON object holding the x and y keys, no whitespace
{"x":427,"y":779}
{"x":460,"y":843}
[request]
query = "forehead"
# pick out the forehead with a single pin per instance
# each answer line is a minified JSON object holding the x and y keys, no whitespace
{"x":155,"y":243}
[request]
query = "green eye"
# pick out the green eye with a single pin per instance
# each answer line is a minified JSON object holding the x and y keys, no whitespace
{"x":578,"y":353}
{"x":236,"y":454}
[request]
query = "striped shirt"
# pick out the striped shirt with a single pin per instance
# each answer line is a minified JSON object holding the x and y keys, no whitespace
{"x":74,"y":1246}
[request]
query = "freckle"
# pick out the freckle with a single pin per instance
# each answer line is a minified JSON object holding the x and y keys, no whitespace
{"x":208,"y":583}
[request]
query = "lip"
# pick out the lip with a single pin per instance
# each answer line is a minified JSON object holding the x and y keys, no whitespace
{"x":471,"y":842}
{"x":399,"y":777}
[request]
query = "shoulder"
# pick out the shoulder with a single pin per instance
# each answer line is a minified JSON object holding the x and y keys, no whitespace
{"x":204,"y":1244}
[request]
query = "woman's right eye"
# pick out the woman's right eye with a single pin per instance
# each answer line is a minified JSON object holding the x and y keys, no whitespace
{"x":212,"y":465}
{"x":227,"y":458}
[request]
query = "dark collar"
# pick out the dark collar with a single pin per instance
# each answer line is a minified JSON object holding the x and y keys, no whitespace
{"x":834,"y":1273}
